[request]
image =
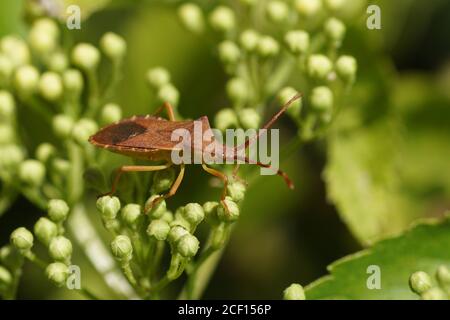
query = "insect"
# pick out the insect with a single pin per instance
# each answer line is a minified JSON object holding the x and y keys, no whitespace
{"x":149,"y":138}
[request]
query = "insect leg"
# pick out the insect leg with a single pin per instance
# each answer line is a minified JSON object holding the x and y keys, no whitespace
{"x":172,"y":191}
{"x":222,"y":177}
{"x":169,"y":109}
{"x":133,"y":169}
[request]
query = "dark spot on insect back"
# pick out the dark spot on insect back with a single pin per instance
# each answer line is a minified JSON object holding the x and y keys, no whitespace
{"x":118,"y":133}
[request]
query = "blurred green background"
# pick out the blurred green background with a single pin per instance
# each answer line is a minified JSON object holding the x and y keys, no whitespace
{"x":282,"y":236}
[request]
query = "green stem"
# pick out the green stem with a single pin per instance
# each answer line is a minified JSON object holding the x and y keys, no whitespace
{"x":200,"y":278}
{"x":75,"y":178}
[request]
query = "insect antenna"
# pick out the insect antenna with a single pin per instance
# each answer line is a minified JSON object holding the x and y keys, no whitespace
{"x":251,"y":140}
{"x":282,"y":110}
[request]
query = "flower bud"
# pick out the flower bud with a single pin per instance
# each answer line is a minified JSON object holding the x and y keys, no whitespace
{"x":47,"y":25}
{"x":230,"y":213}
{"x":45,"y":230}
{"x":168,"y":93}
{"x":44,"y":152}
{"x":162,"y":180}
{"x":192,"y":17}
{"x":43,"y":36}
{"x":226,"y":118}
{"x":249,"y":118}
{"x":277,"y":11}
{"x":61,"y":166}
{"x":7,"y":105}
{"x":335,"y":31}
{"x":57,"y":273}
{"x":60,"y":249}
{"x":222,"y":19}
{"x":50,"y":86}
{"x":158,"y":77}
{"x":295,"y":108}
{"x":294,"y":292}
{"x":110,"y":113}
{"x":322,"y":99}
{"x":168,"y":216}
{"x":420,"y":282}
{"x":130,"y":214}
{"x":188,"y":245}
{"x":158,"y":209}
{"x":32,"y":172}
{"x":22,"y":239}
{"x":26,"y":79}
{"x":73,"y":81}
{"x":6,"y":278}
{"x":175,"y":233}
{"x":108,"y":207}
{"x":236,"y":191}
{"x":10,"y":156}
{"x":229,"y":52}
{"x":249,"y":40}
{"x":83,"y":129}
{"x":435,"y":293}
{"x":193,"y":213}
{"x":16,"y":50}
{"x":297,"y":41}
{"x":86,"y":56}
{"x":159,"y":229}
{"x":122,"y":249}
{"x":6,"y":134}
{"x":443,"y":276}
{"x":308,"y":8}
{"x":113,"y":46}
{"x":6,"y":69}
{"x":58,"y":62}
{"x":346,"y":67}
{"x":319,"y":66}
{"x":268,"y":47}
{"x":58,"y":210}
{"x":238,"y":90}
{"x":62,"y":125}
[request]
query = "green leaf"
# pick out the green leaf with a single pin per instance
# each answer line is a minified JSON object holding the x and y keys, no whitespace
{"x":384,"y":173}
{"x":423,"y":247}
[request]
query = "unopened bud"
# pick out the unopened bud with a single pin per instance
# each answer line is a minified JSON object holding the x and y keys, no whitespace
{"x":32,"y":172}
{"x":122,"y":249}
{"x":58,"y":210}
{"x":57,"y":272}
{"x":192,"y":17}
{"x":60,"y":249}
{"x":22,"y":239}
{"x":45,"y":230}
{"x":294,"y":292}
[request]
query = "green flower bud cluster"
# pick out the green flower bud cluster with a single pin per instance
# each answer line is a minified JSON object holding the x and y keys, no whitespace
{"x":427,"y":288}
{"x":159,"y":80}
{"x":183,"y":242}
{"x":259,"y":67}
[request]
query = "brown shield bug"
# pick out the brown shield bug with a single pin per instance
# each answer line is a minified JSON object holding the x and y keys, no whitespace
{"x":150,"y":138}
